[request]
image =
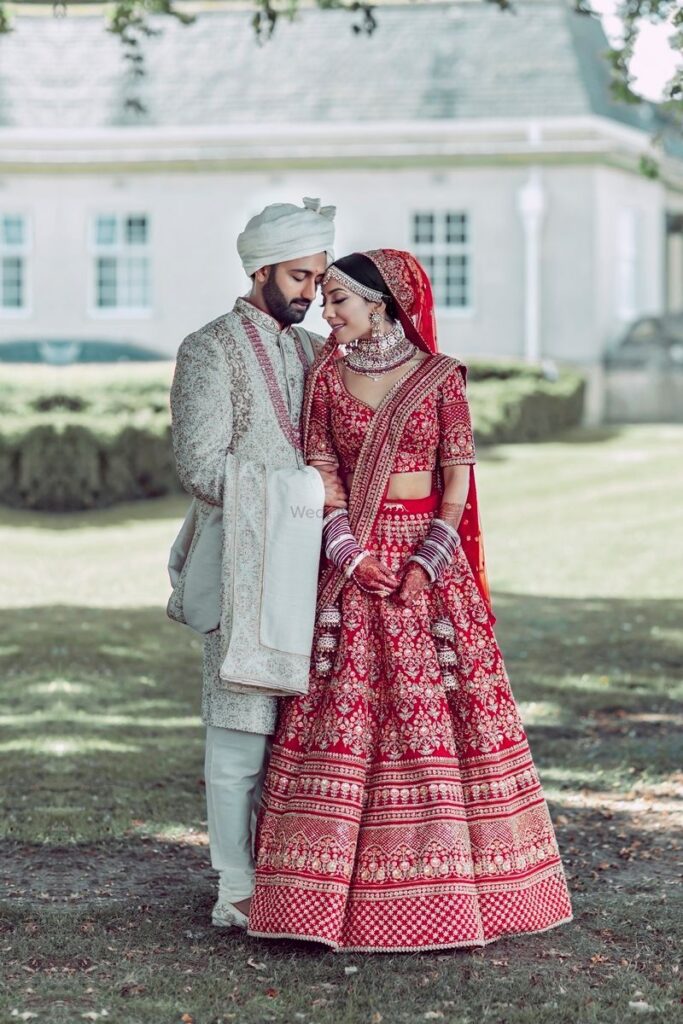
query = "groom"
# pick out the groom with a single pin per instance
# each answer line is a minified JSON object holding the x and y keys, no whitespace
{"x":238,"y":391}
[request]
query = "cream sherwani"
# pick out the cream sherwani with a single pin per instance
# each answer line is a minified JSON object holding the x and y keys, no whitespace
{"x":220,"y":403}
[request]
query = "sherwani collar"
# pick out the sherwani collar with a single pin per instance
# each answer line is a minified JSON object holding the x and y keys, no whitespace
{"x":262,"y":320}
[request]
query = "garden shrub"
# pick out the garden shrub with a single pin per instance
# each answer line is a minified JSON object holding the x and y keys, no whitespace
{"x":90,"y":437}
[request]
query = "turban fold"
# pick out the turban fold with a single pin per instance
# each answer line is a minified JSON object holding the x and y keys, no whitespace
{"x":285,"y":232}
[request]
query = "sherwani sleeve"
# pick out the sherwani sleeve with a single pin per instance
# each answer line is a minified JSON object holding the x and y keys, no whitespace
{"x":456,"y":439}
{"x":201,"y":416}
{"x":320,"y":446}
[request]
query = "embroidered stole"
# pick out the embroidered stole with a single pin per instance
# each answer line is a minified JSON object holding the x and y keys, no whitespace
{"x":376,"y":457}
{"x":377,"y":454}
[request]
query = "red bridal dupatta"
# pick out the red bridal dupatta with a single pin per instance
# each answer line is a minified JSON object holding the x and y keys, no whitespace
{"x":410,"y":288}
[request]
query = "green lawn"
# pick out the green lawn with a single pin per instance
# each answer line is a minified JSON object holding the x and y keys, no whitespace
{"x":104,"y":868}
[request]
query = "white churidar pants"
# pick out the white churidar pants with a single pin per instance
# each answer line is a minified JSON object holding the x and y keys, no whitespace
{"x":234,"y":769}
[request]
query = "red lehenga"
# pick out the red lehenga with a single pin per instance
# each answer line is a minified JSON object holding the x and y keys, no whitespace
{"x":402,"y":810}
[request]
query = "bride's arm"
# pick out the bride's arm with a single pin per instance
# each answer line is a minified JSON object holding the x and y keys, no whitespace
{"x":320,"y":450}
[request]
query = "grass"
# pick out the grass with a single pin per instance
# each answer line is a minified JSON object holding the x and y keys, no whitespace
{"x":105,"y":872}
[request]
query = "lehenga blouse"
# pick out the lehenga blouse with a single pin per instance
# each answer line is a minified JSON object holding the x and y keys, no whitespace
{"x":438,"y":430}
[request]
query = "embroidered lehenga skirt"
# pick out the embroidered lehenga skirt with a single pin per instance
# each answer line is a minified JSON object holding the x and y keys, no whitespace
{"x":402,"y":810}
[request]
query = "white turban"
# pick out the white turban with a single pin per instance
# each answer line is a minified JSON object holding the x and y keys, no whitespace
{"x":285,"y":232}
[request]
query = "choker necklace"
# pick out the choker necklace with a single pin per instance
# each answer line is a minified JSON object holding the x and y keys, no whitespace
{"x":373,"y":357}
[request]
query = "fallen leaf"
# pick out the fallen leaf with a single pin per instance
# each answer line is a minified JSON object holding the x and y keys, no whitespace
{"x":187,"y":1018}
{"x":256,"y":965}
{"x":376,"y":1018}
{"x":272,"y":993}
{"x":599,"y":959}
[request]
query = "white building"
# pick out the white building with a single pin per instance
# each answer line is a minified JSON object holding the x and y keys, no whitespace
{"x":486,"y":142}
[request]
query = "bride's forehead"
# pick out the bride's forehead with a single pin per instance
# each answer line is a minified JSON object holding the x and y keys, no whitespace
{"x":332,"y":287}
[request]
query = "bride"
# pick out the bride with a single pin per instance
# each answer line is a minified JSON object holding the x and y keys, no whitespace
{"x":402,"y":810}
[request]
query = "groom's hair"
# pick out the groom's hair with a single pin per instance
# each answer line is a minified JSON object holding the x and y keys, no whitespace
{"x":272,"y":267}
{"x":363,"y":270}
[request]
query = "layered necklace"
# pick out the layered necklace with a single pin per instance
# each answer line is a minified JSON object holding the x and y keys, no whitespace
{"x":375,"y":356}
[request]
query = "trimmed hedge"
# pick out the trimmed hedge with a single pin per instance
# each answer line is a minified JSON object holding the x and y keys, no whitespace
{"x":93,"y":436}
{"x":525,"y":409}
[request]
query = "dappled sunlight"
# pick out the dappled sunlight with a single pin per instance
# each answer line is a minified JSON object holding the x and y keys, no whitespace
{"x":558,"y":779}
{"x":62,"y":714}
{"x":63,"y":687}
{"x":66,"y":746}
{"x":652,"y":811}
{"x":135,"y":722}
{"x":177,"y":833}
{"x":127,"y":514}
{"x":545,"y":712}
{"x":120,"y":652}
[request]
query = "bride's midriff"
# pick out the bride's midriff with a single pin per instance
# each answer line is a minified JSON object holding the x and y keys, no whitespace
{"x":404,"y":485}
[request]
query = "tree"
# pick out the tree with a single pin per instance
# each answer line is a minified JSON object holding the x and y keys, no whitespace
{"x":129,"y":20}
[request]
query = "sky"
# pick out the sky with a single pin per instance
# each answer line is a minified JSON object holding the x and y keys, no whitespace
{"x":654,"y":62}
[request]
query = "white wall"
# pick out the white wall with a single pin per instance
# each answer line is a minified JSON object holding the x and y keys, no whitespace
{"x":617,"y":193}
{"x":195,"y":219}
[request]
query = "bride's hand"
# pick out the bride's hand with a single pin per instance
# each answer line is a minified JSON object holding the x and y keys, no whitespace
{"x":415,"y":580}
{"x":373,"y":576}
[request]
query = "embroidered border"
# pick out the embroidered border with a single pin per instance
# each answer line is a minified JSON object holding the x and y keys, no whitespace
{"x":292,"y":434}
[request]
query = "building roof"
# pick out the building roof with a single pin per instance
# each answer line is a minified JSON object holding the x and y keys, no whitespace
{"x":429,"y":63}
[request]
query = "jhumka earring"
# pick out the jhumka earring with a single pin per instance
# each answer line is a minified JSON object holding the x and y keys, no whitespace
{"x":376,"y":324}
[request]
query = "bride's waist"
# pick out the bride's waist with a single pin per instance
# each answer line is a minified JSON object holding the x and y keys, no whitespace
{"x":405,"y":485}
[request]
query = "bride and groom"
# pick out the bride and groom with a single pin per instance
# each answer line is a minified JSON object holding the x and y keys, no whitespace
{"x":369,"y":783}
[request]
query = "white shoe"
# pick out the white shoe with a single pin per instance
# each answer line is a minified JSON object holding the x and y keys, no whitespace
{"x":226,"y":915}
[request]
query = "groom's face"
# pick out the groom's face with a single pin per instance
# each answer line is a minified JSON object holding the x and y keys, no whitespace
{"x":290,"y":287}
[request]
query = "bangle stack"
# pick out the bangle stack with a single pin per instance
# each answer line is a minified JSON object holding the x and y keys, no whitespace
{"x":341,"y":547}
{"x":436,"y":552}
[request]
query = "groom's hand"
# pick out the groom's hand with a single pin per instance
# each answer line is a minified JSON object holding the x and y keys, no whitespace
{"x":335,"y":492}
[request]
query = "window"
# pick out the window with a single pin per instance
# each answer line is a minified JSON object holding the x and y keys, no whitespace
{"x":122,"y":263}
{"x":441,"y":241}
{"x":13,"y":259}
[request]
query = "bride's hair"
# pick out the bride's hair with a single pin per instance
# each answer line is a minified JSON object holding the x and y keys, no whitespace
{"x":363,"y":270}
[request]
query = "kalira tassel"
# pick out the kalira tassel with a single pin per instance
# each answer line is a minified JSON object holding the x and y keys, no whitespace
{"x":327,"y":642}
{"x":444,"y":638}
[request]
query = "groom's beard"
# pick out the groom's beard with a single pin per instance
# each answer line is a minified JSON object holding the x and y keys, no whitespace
{"x":280,"y":308}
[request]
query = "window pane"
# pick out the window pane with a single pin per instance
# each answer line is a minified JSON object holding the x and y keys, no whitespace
{"x":423,"y":227}
{"x":106,"y":282}
{"x":136,"y":230}
{"x":442,"y":246}
{"x":457,"y":280}
{"x":12,"y":283}
{"x":105,"y":230}
{"x":13,"y":230}
{"x":456,"y":228}
{"x":135,"y":283}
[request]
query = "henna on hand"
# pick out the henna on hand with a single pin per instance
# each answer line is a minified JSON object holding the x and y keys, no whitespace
{"x":374,"y":577}
{"x":415,"y":580}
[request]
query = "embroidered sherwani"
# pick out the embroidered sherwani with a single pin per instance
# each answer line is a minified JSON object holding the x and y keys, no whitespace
{"x":238,"y":388}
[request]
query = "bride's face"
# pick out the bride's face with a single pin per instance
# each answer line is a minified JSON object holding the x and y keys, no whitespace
{"x":347,"y":314}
